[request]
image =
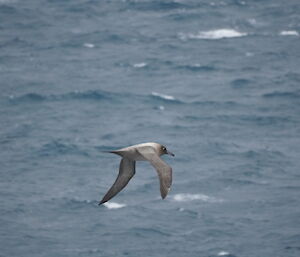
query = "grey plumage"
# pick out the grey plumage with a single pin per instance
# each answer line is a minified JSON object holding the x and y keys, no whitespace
{"x":126,"y":172}
{"x":142,"y":152}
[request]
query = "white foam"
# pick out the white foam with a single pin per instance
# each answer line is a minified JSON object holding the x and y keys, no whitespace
{"x":223,"y":253}
{"x":88,"y":45}
{"x":161,"y":107}
{"x":140,"y":65}
{"x":112,"y":205}
{"x":167,"y":97}
{"x":289,"y":33}
{"x":184,"y":197}
{"x":213,"y":34}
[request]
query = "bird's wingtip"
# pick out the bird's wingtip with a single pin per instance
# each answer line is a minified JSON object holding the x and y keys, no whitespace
{"x":101,"y":202}
{"x":164,"y":194}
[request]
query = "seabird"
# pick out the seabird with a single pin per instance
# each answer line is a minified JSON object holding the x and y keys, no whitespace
{"x":142,"y":152}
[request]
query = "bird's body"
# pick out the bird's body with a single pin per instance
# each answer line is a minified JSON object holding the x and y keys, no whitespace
{"x":134,"y":152}
{"x":142,"y":152}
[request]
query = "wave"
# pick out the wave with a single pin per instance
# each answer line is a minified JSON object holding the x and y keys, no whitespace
{"x":93,"y":95}
{"x":242,"y":182}
{"x":146,"y":232}
{"x":75,"y":203}
{"x":88,"y":45}
{"x":262,"y":153}
{"x":75,"y":200}
{"x":213,"y":34}
{"x":223,"y":253}
{"x":214,"y":104}
{"x":83,"y":251}
{"x":164,"y":97}
{"x":184,"y":16}
{"x":284,"y":94}
{"x":99,"y":96}
{"x":240,"y":83}
{"x":289,"y":33}
{"x":113,"y":205}
{"x":75,"y":95}
{"x":197,"y":67}
{"x":259,"y":120}
{"x":90,"y":95}
{"x":140,"y":65}
{"x":27,"y":97}
{"x":155,"y":5}
{"x":184,"y":197}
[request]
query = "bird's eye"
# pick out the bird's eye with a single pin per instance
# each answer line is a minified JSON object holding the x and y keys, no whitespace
{"x":164,"y":149}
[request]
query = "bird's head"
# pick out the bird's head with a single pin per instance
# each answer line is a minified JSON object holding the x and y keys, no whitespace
{"x":163,"y":150}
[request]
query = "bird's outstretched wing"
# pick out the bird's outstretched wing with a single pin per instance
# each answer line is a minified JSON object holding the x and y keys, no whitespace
{"x":126,"y":172}
{"x":164,"y":171}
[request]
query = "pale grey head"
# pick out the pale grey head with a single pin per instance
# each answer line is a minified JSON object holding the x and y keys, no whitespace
{"x":164,"y":150}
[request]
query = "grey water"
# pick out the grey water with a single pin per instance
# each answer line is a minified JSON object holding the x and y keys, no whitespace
{"x":217,"y":82}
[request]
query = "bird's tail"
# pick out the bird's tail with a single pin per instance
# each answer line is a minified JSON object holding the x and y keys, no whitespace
{"x":115,"y":152}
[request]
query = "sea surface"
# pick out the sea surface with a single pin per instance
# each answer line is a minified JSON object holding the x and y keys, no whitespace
{"x":217,"y":82}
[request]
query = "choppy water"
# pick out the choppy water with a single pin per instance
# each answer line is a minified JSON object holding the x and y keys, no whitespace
{"x":218,"y":82}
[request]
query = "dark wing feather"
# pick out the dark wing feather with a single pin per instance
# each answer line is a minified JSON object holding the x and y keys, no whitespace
{"x":126,"y":172}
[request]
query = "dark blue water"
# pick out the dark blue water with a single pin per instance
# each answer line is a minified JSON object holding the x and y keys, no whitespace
{"x":217,"y":82}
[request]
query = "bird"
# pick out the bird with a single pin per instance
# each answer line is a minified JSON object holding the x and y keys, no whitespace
{"x":141,"y":152}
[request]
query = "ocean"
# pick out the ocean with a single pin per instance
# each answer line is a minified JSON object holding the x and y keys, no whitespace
{"x":217,"y":82}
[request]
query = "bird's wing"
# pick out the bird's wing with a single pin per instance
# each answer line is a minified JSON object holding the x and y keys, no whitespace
{"x":126,"y":172}
{"x":164,"y":171}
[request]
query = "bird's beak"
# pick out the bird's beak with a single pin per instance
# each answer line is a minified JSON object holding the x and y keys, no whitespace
{"x":170,"y":153}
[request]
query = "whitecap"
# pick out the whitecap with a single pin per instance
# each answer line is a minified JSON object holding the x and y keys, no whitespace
{"x":289,"y":33}
{"x":166,"y":97}
{"x":213,"y":34}
{"x":88,"y":45}
{"x":161,"y":107}
{"x":184,"y":197}
{"x":223,"y":253}
{"x":112,"y":205}
{"x":140,"y":65}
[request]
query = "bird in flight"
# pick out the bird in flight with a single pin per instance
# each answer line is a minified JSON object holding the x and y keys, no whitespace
{"x":142,"y":152}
